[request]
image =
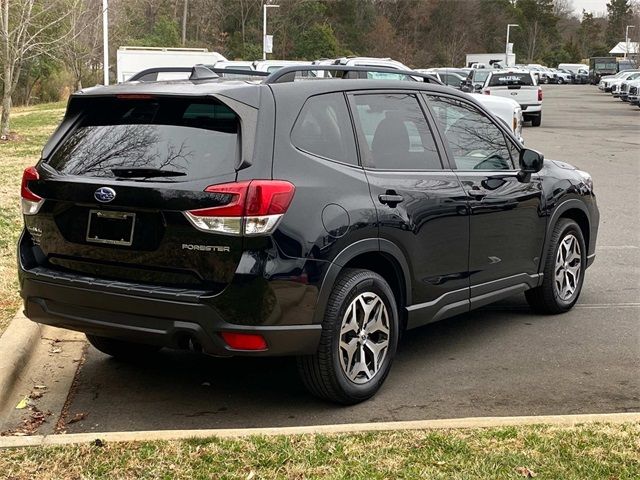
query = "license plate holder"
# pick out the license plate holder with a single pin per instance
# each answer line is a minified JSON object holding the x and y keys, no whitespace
{"x":111,"y":228}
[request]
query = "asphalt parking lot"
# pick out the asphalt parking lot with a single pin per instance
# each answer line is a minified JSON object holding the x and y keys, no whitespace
{"x":501,"y":360}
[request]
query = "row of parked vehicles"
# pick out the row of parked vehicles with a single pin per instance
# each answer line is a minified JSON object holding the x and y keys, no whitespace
{"x":623,"y":85}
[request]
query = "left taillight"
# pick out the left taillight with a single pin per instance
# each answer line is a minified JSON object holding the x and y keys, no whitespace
{"x":30,"y":202}
{"x":539,"y":94}
{"x":253,"y":208}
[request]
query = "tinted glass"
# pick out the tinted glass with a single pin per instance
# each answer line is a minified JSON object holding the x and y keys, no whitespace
{"x":479,"y":76}
{"x":451,"y":80}
{"x":324,"y":128}
{"x":393,"y":133}
{"x":499,"y":79}
{"x":475,"y":141}
{"x":190,"y":139}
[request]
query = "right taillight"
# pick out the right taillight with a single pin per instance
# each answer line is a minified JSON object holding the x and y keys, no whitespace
{"x":30,"y":202}
{"x":539,"y":94}
{"x":253,"y":208}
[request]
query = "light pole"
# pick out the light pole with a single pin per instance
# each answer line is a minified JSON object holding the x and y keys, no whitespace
{"x":105,"y":40}
{"x":264,"y":28}
{"x":626,"y":39}
{"x":506,"y":49}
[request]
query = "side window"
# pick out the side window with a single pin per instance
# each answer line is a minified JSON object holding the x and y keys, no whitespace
{"x":393,"y":132}
{"x":475,"y":141}
{"x":324,"y":128}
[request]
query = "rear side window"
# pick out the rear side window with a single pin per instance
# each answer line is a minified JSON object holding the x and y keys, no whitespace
{"x":506,"y":79}
{"x":180,"y":139}
{"x":393,"y":132}
{"x":323,"y":128}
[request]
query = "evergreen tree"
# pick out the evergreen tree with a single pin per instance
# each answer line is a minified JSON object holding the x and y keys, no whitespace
{"x":619,"y":13}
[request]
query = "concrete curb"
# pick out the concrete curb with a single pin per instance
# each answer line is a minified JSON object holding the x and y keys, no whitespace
{"x":478,"y":422}
{"x":16,"y":346}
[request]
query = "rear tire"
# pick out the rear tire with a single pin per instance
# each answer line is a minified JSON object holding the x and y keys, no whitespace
{"x":560,"y":81}
{"x":536,"y":121}
{"x":358,"y":343}
{"x":564,"y":268}
{"x":122,"y":349}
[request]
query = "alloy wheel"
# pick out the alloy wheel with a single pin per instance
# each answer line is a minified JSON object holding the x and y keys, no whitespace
{"x":568,"y":267}
{"x":364,"y":337}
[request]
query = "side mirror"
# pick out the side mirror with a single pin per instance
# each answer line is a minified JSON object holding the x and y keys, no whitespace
{"x":477,"y":88}
{"x":530,"y":162}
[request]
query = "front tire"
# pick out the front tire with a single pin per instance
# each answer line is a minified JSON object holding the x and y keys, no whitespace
{"x":122,"y":349}
{"x":358,"y":342}
{"x":564,"y":269}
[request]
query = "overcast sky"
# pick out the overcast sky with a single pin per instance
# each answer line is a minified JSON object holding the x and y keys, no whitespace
{"x":595,"y":6}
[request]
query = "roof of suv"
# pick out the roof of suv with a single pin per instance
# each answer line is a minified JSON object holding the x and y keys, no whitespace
{"x":248,"y":91}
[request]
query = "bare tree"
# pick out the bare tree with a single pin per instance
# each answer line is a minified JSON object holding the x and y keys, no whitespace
{"x":28,"y":28}
{"x":84,"y":45}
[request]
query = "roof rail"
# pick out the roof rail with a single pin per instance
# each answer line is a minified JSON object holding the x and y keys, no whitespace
{"x":220,"y":72}
{"x":288,"y":74}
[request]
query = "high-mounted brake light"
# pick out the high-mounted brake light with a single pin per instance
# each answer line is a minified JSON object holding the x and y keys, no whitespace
{"x":539,"y":94}
{"x":252,"y":208}
{"x":30,"y":202}
{"x":244,"y":341}
{"x":134,"y":96}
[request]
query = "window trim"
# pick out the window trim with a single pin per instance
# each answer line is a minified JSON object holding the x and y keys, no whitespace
{"x":508,"y":135}
{"x":425,"y":113}
{"x":358,"y":163}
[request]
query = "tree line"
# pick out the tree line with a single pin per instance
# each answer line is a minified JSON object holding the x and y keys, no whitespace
{"x":52,"y":47}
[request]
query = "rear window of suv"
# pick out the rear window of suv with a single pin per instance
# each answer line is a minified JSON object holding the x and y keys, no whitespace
{"x":184,"y":139}
{"x":501,"y":79}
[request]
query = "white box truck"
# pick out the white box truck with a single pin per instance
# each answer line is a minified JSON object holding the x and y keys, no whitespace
{"x":488,"y":59}
{"x":131,"y":60}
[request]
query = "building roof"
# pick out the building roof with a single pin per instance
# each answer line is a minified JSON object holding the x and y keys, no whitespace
{"x":621,"y":48}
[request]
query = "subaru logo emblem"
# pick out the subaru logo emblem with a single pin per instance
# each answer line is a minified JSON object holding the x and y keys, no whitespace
{"x":104,"y":194}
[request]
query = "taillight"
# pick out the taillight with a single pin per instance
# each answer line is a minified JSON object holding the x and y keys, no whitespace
{"x":30,"y":202}
{"x":244,"y":341}
{"x":539,"y":94}
{"x":253,"y":208}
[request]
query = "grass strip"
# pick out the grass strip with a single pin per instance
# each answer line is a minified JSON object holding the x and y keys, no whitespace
{"x":590,"y":451}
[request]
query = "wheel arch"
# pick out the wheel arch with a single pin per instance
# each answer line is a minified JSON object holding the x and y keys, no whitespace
{"x":378,"y":255}
{"x":575,"y":210}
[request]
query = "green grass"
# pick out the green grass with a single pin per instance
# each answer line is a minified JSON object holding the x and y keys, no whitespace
{"x":596,"y":451}
{"x":31,"y":127}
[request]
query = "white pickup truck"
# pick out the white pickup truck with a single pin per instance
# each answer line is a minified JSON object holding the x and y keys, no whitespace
{"x":519,"y":85}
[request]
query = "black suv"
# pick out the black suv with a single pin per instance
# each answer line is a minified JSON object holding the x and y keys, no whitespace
{"x":317,"y":219}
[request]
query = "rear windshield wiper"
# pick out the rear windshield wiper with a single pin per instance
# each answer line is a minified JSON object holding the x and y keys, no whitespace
{"x":145,"y":173}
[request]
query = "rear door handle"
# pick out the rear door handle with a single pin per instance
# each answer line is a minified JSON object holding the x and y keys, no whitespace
{"x":390,"y":198}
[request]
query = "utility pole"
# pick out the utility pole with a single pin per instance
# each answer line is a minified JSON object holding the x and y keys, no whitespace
{"x":184,"y":22}
{"x":626,"y":40}
{"x":105,"y":40}
{"x":264,"y":28}
{"x":506,"y":49}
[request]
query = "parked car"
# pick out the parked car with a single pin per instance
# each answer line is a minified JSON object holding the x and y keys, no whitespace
{"x":622,"y":89}
{"x":634,"y":94}
{"x":520,"y":86}
{"x":445,"y":75}
{"x":607,"y":81}
{"x":615,"y":83}
{"x":475,"y":80}
{"x":562,"y":76}
{"x":315,"y":219}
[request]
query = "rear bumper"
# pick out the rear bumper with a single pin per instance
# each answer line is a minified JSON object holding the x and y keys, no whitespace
{"x":167,"y":323}
{"x":281,"y":311}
